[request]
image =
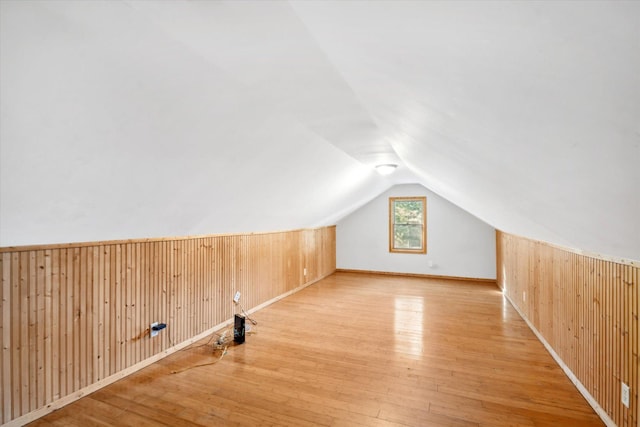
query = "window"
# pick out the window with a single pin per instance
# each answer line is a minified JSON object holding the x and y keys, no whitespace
{"x":408,"y":225}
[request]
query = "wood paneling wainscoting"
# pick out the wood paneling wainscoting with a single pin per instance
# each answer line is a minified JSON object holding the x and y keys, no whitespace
{"x":585,"y":310}
{"x":76,"y":317}
{"x":355,"y":350}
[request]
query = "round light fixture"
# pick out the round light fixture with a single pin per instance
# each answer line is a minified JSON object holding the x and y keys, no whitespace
{"x":386,"y":169}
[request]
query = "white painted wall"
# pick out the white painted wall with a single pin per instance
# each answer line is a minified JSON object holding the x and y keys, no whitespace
{"x":113,"y":129}
{"x":458,"y":244}
{"x":130,"y":119}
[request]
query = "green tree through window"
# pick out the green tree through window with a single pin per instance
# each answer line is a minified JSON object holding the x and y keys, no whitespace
{"x":407,"y":224}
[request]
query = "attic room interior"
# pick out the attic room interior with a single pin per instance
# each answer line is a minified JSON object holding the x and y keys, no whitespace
{"x":195,"y":229}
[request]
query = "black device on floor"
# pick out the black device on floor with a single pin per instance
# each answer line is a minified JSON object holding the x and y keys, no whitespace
{"x":238,"y":329}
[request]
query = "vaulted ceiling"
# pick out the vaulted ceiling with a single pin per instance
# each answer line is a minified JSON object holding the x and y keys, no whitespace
{"x":124,"y":119}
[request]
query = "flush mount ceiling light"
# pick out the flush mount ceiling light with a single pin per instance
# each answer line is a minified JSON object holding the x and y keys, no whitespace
{"x":386,"y":169}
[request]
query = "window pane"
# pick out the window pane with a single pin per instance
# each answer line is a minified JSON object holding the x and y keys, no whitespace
{"x":407,"y":236}
{"x":408,"y":212}
{"x":408,"y":225}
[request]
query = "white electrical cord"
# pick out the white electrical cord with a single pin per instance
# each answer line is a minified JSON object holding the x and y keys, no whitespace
{"x":246,"y":314}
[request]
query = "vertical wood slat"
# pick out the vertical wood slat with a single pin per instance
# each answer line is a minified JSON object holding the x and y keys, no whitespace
{"x":57,"y":325}
{"x":32,"y":308}
{"x":24,"y":289}
{"x":104,"y":276}
{"x":48,"y":331}
{"x":62,"y":328}
{"x":594,"y":317}
{"x":635,"y":394}
{"x":6,"y":301}
{"x":16,"y":318}
{"x":73,"y":315}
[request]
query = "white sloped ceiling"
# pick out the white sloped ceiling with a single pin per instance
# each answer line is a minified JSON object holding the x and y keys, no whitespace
{"x":152,"y":118}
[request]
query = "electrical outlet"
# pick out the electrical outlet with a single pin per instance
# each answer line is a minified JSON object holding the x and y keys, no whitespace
{"x":305,"y":271}
{"x":151,"y":331}
{"x":624,"y":396}
{"x":524,"y":296}
{"x":236,"y":297}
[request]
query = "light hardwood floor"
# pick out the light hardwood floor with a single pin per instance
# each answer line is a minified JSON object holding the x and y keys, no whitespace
{"x":356,"y":349}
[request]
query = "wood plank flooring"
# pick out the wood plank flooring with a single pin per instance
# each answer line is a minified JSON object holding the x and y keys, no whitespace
{"x":355,"y":350}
